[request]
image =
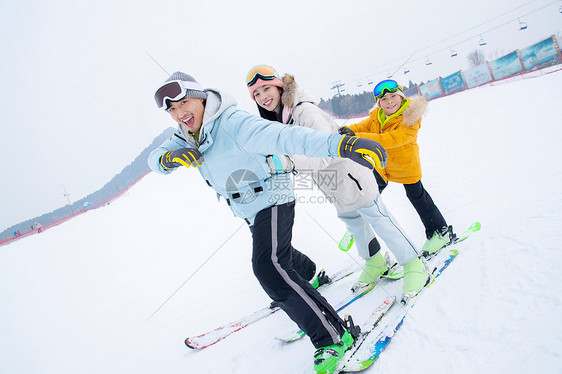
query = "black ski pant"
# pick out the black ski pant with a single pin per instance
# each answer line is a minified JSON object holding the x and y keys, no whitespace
{"x":303,"y":265}
{"x":273,"y":265}
{"x":430,"y":216}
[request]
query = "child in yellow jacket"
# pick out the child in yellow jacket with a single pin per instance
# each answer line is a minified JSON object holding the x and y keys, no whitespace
{"x":395,"y":123}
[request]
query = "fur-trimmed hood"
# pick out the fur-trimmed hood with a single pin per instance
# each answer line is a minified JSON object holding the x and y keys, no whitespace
{"x":292,"y":94}
{"x":414,"y":111}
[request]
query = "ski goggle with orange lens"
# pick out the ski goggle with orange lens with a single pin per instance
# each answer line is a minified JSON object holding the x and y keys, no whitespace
{"x":174,"y":91}
{"x":385,"y":86}
{"x":263,"y":72}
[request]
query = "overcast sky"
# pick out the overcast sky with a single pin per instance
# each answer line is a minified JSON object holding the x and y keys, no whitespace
{"x":77,"y":78}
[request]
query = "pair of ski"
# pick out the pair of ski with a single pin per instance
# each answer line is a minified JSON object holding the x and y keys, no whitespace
{"x":392,"y":274}
{"x":376,"y":332}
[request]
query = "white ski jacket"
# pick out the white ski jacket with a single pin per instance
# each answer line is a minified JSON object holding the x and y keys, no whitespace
{"x":350,"y":185}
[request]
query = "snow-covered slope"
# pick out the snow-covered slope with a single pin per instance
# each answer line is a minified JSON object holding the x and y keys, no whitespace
{"x":117,"y":290}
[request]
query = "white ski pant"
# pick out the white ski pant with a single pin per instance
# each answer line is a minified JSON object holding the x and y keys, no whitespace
{"x":362,"y":221}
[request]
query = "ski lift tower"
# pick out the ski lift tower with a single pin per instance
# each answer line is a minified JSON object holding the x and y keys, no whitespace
{"x":66,"y":194}
{"x":337,"y":85}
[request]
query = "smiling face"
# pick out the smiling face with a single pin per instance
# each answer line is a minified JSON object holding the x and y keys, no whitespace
{"x":268,"y":97}
{"x":188,"y":112}
{"x":390,"y":103}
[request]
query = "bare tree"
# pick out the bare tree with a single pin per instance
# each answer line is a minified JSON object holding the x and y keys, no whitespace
{"x":476,"y":58}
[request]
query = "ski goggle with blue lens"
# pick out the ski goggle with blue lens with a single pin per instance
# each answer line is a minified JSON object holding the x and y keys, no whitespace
{"x":263,"y":72}
{"x":174,"y":91}
{"x":385,"y":86}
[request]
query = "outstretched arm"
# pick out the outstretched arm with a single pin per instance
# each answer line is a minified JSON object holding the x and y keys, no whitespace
{"x":256,"y":135}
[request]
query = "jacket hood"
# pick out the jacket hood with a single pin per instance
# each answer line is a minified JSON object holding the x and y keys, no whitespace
{"x":217,"y":102}
{"x":415,"y":110}
{"x":294,"y":95}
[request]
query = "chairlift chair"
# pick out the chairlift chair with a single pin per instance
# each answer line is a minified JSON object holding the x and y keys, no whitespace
{"x":522,"y":25}
{"x":482,"y":42}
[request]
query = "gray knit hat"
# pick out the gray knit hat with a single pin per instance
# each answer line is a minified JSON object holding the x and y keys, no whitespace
{"x":192,"y":88}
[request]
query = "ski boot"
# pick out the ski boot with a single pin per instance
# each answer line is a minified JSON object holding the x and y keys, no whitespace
{"x":416,"y":277}
{"x":374,"y":268}
{"x":440,"y":239}
{"x":321,"y":279}
{"x":326,"y":359}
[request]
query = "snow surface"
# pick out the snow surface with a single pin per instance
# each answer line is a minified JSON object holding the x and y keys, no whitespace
{"x":117,"y":290}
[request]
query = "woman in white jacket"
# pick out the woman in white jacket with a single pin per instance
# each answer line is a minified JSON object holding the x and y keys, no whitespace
{"x":355,"y":194}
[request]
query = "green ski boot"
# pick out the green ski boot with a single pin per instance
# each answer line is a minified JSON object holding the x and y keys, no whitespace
{"x":416,"y":277}
{"x":374,"y":268}
{"x":326,"y":359}
{"x":439,"y":239}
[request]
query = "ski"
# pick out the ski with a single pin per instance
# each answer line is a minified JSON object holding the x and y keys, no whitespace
{"x":367,"y":327}
{"x":346,"y":241}
{"x":459,"y":238}
{"x":216,"y":335}
{"x":346,"y":301}
{"x":363,"y":355}
{"x":472,"y":229}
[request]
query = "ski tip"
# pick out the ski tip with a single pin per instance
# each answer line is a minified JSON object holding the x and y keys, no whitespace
{"x":475,"y":226}
{"x":187,"y":343}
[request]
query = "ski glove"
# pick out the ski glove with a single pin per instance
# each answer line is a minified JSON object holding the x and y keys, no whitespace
{"x":183,"y":156}
{"x":279,"y":164}
{"x":365,"y":152}
{"x":346,"y":131}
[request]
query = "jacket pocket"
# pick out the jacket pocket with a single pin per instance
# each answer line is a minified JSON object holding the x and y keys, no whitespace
{"x":356,"y":181}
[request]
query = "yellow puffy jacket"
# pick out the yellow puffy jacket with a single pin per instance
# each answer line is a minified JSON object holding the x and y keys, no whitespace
{"x":398,"y":135}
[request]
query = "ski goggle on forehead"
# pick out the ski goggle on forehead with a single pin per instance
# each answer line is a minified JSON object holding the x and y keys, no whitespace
{"x":385,"y":86}
{"x":174,"y":91}
{"x":263,"y":72}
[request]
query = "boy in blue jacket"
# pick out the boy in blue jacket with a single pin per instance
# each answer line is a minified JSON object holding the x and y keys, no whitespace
{"x":229,"y":147}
